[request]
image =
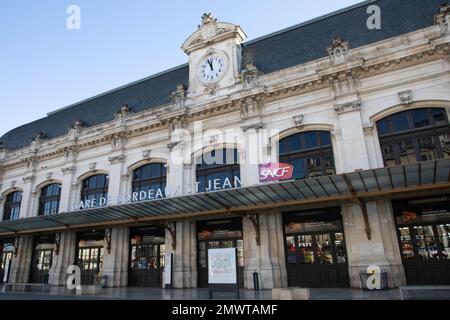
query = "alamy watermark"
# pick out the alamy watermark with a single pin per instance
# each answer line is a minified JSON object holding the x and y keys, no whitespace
{"x":73,"y":21}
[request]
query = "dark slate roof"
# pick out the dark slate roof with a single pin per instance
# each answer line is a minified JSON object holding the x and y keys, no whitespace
{"x":293,"y":46}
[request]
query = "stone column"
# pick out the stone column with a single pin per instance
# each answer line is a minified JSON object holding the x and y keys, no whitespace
{"x":115,"y":263}
{"x":115,"y":177}
{"x":353,"y":148}
{"x":268,"y":258}
{"x":185,"y":256}
{"x":66,"y":201}
{"x":382,"y":250}
{"x":21,"y":261}
{"x":26,"y":205}
{"x":65,"y":257}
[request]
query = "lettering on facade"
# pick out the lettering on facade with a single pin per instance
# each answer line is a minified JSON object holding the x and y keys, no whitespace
{"x":154,"y":194}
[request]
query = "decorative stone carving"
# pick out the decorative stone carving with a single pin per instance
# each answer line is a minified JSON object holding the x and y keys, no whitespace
{"x":28,"y":179}
{"x":343,"y":84}
{"x":117,"y":159}
{"x":348,"y":107}
{"x":339,"y":51}
{"x":75,"y":130}
{"x":406,"y":97}
{"x":68,"y":170}
{"x":211,"y":89}
{"x":12,"y":184}
{"x":256,"y":126}
{"x":48,"y":175}
{"x":211,"y":31}
{"x":92,"y":166}
{"x":37,"y":141}
{"x":122,"y":115}
{"x":251,"y":106}
{"x":172,"y":145}
{"x":2,"y":151}
{"x":250,"y":75}
{"x":146,"y":154}
{"x":178,"y":97}
{"x":442,"y":19}
{"x":118,"y":140}
{"x":177,"y":123}
{"x":298,"y":121}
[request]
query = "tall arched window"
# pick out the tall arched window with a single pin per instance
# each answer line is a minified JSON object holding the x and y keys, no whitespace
{"x":311,"y":154}
{"x":12,"y":206}
{"x":95,"y":188}
{"x":148,"y":179}
{"x":218,"y":169}
{"x":414,"y":135}
{"x":49,"y":199}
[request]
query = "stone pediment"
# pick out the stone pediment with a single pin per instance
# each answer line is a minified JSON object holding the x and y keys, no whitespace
{"x":210,"y":32}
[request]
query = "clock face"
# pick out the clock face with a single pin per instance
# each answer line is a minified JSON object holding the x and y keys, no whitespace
{"x":212,"y":68}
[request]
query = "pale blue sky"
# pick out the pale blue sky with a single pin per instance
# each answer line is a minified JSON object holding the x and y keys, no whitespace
{"x":44,"y":66}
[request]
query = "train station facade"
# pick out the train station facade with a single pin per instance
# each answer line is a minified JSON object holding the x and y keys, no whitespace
{"x":339,"y":160}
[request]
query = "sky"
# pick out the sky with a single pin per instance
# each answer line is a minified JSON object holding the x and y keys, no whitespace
{"x":44,"y":66}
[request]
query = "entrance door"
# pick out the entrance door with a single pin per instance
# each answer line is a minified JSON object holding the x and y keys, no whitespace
{"x":426,"y":253}
{"x":41,"y":261}
{"x":217,"y":234}
{"x":5,"y":263}
{"x":90,"y":262}
{"x":315,"y":250}
{"x":40,"y":265}
{"x":423,"y":228}
{"x":90,"y":256}
{"x":147,"y":257}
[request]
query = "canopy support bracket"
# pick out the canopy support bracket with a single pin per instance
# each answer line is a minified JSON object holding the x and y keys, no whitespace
{"x":171,"y":227}
{"x":361,"y":204}
{"x":108,"y":233}
{"x":254,"y":218}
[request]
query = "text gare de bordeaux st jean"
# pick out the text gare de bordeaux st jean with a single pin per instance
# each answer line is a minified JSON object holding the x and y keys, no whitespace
{"x":267,"y":173}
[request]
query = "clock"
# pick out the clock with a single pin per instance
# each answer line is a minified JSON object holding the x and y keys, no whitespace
{"x":212,"y":68}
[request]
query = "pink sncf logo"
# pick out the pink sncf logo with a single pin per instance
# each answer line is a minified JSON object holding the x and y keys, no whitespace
{"x":275,"y":171}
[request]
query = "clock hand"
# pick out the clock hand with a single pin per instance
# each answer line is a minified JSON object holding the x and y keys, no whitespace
{"x":210,"y":64}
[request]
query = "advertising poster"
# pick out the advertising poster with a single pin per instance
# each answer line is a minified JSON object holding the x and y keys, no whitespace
{"x":222,"y":266}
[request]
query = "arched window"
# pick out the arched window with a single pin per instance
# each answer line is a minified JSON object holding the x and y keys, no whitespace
{"x":12,"y":206}
{"x":218,"y":169}
{"x":49,"y":199}
{"x":311,"y":154}
{"x":414,"y":135}
{"x":95,"y":188}
{"x":149,"y":179}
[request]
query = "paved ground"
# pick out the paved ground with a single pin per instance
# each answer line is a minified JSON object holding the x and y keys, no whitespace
{"x":60,"y":293}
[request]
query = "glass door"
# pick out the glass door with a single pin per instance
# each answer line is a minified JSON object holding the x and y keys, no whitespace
{"x":40,"y":265}
{"x":317,"y":260}
{"x":425,"y":253}
{"x":90,"y":261}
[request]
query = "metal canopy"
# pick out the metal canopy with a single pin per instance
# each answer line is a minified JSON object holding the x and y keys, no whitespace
{"x":381,"y":183}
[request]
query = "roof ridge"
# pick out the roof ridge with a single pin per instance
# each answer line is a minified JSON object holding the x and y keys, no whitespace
{"x":307,"y":22}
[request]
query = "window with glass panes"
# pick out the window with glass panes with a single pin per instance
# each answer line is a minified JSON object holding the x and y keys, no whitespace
{"x":12,"y":206}
{"x":95,"y":187}
{"x":414,"y":136}
{"x":49,"y":200}
{"x":222,"y":166}
{"x":310,"y":153}
{"x":150,"y":177}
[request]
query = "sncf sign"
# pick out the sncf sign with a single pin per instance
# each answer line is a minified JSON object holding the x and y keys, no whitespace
{"x":275,"y":171}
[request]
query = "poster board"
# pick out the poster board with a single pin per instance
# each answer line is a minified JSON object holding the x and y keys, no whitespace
{"x":222,"y":270}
